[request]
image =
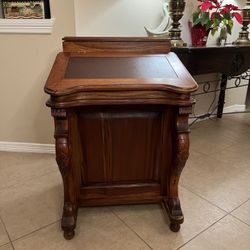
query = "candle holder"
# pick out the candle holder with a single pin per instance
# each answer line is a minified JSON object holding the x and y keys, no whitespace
{"x":176,"y":10}
{"x":244,"y":34}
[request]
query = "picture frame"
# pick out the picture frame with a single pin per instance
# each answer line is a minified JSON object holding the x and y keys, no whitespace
{"x":25,"y":9}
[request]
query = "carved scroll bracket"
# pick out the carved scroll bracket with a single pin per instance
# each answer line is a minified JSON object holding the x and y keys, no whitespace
{"x":61,"y":136}
{"x":181,"y":153}
{"x":181,"y":143}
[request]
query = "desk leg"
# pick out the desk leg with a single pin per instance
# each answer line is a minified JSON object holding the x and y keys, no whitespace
{"x":68,"y":222}
{"x":221,"y":101}
{"x":181,"y":153}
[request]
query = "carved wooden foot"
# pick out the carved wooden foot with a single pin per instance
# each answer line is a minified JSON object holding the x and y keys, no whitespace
{"x":69,"y":220}
{"x":175,"y":227}
{"x":173,"y":209}
{"x":68,"y":235}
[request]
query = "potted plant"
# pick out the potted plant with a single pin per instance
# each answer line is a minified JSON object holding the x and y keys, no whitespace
{"x":212,"y":16}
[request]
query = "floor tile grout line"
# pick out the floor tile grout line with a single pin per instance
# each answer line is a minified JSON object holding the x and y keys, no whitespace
{"x":25,"y":181}
{"x":240,"y":205}
{"x":211,"y":203}
{"x":232,"y":144}
{"x":239,"y":220}
{"x":5,"y":228}
{"x":131,"y":229}
{"x":216,"y":152}
{"x":202,"y":232}
{"x":6,"y":244}
{"x":40,"y":228}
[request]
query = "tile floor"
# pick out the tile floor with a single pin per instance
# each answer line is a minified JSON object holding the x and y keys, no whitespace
{"x":214,"y":190}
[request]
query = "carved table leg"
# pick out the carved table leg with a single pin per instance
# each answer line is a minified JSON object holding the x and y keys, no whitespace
{"x":69,"y":216}
{"x":181,"y":153}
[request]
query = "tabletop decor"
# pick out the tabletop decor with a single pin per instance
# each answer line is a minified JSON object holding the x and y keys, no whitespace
{"x":244,"y":34}
{"x":176,"y":10}
{"x":213,"y":16}
{"x":163,"y":28}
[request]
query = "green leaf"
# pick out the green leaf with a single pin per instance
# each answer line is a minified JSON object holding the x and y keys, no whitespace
{"x":216,"y":22}
{"x":229,"y":29}
{"x":195,"y":16}
{"x":228,"y":16}
{"x":214,"y":30}
{"x":209,"y":24}
{"x":231,"y":23}
{"x":204,"y":18}
{"x":218,"y":17}
{"x":197,"y":21}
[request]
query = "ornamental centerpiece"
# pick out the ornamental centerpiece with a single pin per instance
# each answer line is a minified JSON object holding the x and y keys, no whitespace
{"x":213,"y":16}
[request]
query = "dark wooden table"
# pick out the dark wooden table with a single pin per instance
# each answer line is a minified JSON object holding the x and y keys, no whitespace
{"x":228,"y":61}
{"x":121,"y":108}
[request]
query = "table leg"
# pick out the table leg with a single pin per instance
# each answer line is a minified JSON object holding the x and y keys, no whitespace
{"x":221,"y":101}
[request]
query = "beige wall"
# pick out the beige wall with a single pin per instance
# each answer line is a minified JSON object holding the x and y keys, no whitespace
{"x":25,"y":61}
{"x":116,"y":17}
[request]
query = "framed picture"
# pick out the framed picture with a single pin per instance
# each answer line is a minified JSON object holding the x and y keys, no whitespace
{"x":26,"y":9}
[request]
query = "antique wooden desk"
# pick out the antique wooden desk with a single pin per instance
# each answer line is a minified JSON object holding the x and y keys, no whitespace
{"x":121,"y":109}
{"x":231,"y":60}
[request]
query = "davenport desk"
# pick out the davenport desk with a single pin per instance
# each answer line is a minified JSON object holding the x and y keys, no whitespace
{"x":121,"y":108}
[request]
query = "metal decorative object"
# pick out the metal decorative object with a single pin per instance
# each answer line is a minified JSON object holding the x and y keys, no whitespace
{"x":239,"y":81}
{"x":206,"y":87}
{"x":243,"y":36}
{"x":176,"y":10}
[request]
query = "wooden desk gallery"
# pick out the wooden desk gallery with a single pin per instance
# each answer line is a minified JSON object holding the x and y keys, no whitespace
{"x":121,"y":108}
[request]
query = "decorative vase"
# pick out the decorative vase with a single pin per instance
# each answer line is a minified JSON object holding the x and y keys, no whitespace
{"x":222,"y":39}
{"x":199,"y":35}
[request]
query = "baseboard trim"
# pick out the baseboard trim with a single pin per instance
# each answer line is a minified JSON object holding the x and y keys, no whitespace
{"x":27,"y":147}
{"x":235,"y":108}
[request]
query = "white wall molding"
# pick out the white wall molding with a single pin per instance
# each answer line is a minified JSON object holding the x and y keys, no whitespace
{"x":38,"y":26}
{"x":235,"y":108}
{"x":27,"y":147}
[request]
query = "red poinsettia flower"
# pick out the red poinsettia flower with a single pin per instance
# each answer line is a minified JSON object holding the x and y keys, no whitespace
{"x":214,"y":15}
{"x":205,"y":6}
{"x":238,"y":17}
{"x":232,"y":7}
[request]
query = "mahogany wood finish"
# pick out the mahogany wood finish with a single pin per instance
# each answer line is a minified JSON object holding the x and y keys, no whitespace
{"x":121,"y":109}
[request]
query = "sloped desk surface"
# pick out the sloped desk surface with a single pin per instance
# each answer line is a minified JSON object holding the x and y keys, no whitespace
{"x":135,"y":72}
{"x":121,"y":110}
